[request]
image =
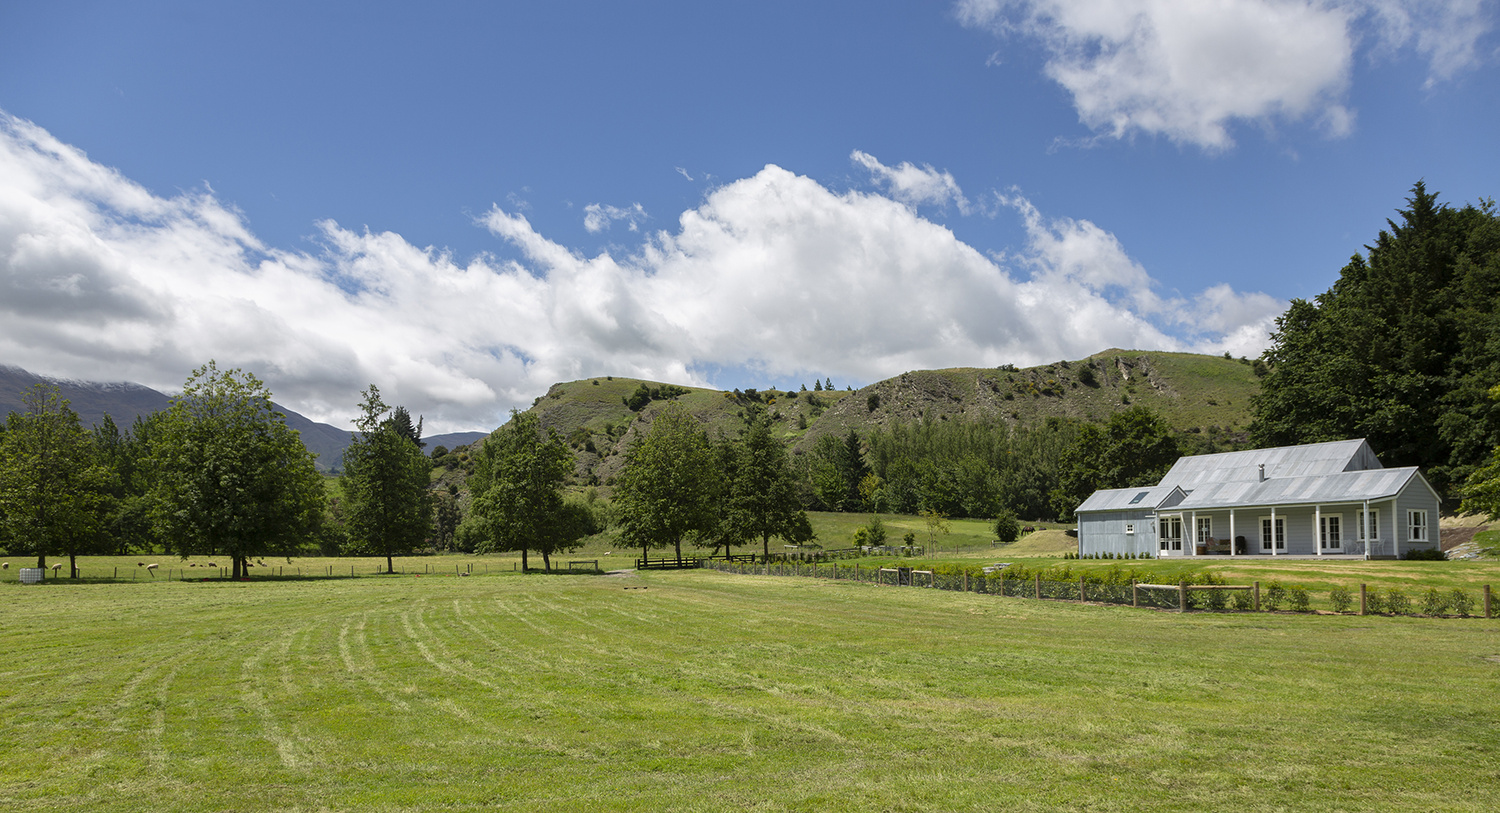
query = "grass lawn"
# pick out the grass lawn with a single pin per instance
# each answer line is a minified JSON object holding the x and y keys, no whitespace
{"x":707,"y":691}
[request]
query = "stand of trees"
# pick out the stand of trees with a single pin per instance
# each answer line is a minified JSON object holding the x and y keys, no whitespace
{"x":1401,"y":350}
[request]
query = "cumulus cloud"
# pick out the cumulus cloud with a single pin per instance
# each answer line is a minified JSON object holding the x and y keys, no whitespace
{"x":598,"y":217}
{"x":914,"y":185}
{"x":774,"y":274}
{"x":1188,"y":69}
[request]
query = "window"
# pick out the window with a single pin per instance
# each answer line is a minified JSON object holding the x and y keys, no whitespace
{"x":1416,"y":521}
{"x":1374,"y":524}
{"x":1205,"y":529}
{"x":1171,"y":533}
{"x":1273,"y":532}
{"x":1331,"y":533}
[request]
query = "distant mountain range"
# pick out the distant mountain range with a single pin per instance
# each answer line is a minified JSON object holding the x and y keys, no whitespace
{"x":124,"y":402}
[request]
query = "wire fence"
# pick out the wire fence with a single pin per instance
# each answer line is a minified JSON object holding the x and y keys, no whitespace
{"x":1182,"y":597}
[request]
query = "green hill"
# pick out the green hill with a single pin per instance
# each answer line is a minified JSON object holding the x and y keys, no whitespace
{"x":1195,"y":393}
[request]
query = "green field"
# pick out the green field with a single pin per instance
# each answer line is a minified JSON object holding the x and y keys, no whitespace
{"x":704,"y":691}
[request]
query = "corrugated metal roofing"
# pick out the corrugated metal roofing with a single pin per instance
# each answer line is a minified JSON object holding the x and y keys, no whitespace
{"x":1124,"y":499}
{"x":1342,"y":471}
{"x":1345,"y":487}
{"x":1311,"y":460}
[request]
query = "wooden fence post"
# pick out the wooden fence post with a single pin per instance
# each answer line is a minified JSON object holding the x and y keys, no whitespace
{"x":1182,"y":596}
{"x":1135,"y":594}
{"x":1361,"y":599}
{"x":1487,"y":601}
{"x":1256,"y":603}
{"x":1039,"y":586}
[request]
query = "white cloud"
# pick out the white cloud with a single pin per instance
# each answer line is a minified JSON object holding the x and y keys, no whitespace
{"x":914,"y":185}
{"x":100,"y":279}
{"x":598,"y":217}
{"x":1189,"y":69}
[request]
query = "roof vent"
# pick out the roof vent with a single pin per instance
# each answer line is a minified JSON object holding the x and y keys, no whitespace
{"x":1262,"y":472}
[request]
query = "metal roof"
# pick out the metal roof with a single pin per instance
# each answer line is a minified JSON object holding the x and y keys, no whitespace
{"x":1310,"y":460}
{"x":1344,"y":471}
{"x":1145,"y":498}
{"x":1343,"y":487}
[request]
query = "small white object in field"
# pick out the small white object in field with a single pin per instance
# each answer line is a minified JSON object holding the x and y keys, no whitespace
{"x":150,"y":567}
{"x":5,"y":566}
{"x":56,"y":568}
{"x":608,"y":552}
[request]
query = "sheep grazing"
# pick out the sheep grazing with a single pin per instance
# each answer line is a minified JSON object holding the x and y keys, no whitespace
{"x":5,"y":566}
{"x":152,"y":570}
{"x":210,"y":564}
{"x":56,"y":568}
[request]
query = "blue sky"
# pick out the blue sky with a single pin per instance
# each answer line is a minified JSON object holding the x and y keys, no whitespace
{"x":466,"y":202}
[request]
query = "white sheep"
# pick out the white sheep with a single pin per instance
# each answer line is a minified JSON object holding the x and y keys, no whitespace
{"x":151,"y":568}
{"x":5,"y":566}
{"x":56,"y":568}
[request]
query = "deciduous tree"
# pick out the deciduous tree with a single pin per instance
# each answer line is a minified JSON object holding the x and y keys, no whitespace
{"x":53,"y":487}
{"x":663,"y":494}
{"x":231,"y":477}
{"x":386,"y":508}
{"x":517,"y":484}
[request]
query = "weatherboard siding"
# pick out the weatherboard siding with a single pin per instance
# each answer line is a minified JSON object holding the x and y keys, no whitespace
{"x":1104,"y":533}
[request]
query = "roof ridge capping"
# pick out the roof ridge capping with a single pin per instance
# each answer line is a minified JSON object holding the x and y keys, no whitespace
{"x":1261,"y":465}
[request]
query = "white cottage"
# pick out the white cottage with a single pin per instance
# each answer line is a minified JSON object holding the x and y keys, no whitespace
{"x":1315,"y":500}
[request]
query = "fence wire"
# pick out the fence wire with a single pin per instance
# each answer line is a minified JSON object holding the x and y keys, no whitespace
{"x":1391,"y":601}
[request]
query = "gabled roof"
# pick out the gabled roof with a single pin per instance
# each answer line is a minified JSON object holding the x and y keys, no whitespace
{"x":1147,"y":498}
{"x":1343,"y":487}
{"x":1344,"y":471}
{"x":1310,"y":460}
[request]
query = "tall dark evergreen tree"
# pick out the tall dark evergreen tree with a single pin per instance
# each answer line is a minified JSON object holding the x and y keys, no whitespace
{"x":764,"y":494}
{"x":1400,"y":350}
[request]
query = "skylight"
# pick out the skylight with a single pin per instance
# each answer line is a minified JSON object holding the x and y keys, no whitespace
{"x":1137,"y":498}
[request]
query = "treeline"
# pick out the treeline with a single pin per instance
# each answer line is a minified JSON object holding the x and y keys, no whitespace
{"x":1401,"y":350}
{"x":219,"y":473}
{"x":985,"y":468}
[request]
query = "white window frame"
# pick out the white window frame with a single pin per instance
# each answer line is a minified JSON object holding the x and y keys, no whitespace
{"x":1166,"y":542}
{"x":1205,"y":529}
{"x":1416,"y":525}
{"x":1337,"y":536}
{"x":1278,"y":532}
{"x":1374,"y":523}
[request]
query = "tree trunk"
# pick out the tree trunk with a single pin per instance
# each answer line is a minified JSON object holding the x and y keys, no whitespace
{"x":390,"y":566}
{"x":73,"y":564}
{"x":678,"y":546}
{"x":523,"y":560}
{"x":546,"y":562}
{"x":765,"y":547}
{"x":41,"y":561}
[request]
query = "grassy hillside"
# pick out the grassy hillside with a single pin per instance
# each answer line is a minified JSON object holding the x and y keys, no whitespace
{"x":1195,"y":393}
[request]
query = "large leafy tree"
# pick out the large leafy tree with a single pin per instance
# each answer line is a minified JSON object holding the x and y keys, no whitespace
{"x":1400,"y":350}
{"x":231,"y":478}
{"x":126,"y":455}
{"x":664,"y":492}
{"x":517,"y":484}
{"x":763,"y":495}
{"x":53,"y":487}
{"x":386,"y":505}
